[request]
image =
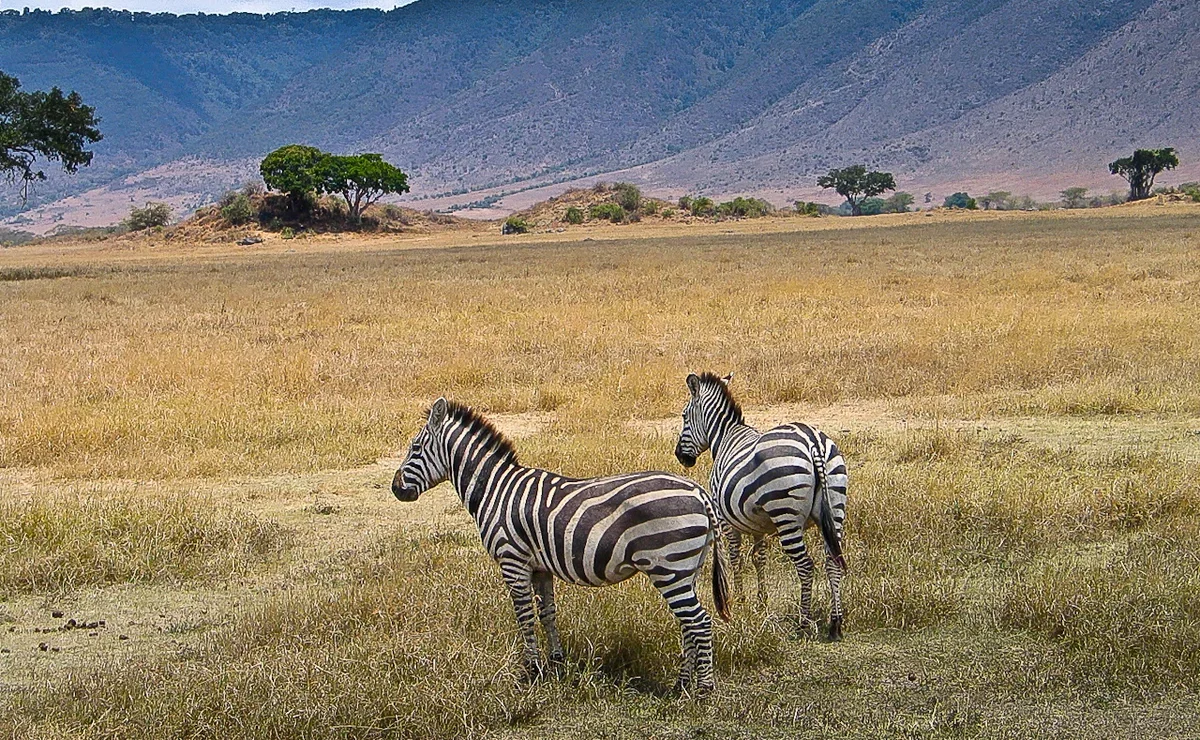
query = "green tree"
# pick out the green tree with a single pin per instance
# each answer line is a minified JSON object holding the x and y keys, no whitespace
{"x":1075,"y":197}
{"x":154,"y":214}
{"x":898,"y":202}
{"x":856,"y":184}
{"x":872,"y":206}
{"x":628,"y":196}
{"x":362,"y":179}
{"x":998,"y":199}
{"x":297,"y":170}
{"x":703,"y":206}
{"x":1141,"y":169}
{"x":43,"y":125}
{"x":959,"y":200}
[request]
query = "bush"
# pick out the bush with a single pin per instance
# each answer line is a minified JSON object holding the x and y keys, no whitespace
{"x":873,"y":206}
{"x":287,"y":232}
{"x":608,"y":212}
{"x":237,"y":209}
{"x":808,"y":208}
{"x":960,"y":200}
{"x":650,"y":207}
{"x":515,"y":225}
{"x":685,"y":203}
{"x":703,"y":206}
{"x":1191,"y":189}
{"x":152,"y":215}
{"x":574,"y":215}
{"x":628,"y":196}
{"x":745,"y":208}
{"x":668,"y":213}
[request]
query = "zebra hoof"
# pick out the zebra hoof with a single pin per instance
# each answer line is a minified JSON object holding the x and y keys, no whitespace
{"x":835,"y":629}
{"x":557,"y":658}
{"x":532,"y":671}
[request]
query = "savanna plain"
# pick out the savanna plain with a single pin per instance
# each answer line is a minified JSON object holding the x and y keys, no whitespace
{"x":197,"y":537}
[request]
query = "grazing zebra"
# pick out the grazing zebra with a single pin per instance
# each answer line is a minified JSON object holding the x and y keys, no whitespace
{"x":540,"y":525}
{"x":774,"y":482}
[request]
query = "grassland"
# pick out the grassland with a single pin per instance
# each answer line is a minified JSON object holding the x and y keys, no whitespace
{"x":1017,"y":395}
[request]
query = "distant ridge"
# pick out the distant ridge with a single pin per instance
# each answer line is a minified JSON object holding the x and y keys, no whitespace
{"x":477,"y":98}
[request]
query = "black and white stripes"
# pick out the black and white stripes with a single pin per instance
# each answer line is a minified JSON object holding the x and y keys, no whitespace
{"x":775,"y":482}
{"x":540,"y":525}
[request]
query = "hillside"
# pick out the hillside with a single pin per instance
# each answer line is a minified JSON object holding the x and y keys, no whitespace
{"x":499,"y":96}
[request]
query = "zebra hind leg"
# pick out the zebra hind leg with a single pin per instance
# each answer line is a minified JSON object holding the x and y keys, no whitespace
{"x":792,"y":540}
{"x":733,"y":539}
{"x":519,"y":578}
{"x":758,"y":554}
{"x":543,"y":586}
{"x":696,"y":671}
{"x":833,"y":570}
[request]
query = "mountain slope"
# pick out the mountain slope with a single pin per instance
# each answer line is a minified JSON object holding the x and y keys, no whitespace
{"x":755,"y":96}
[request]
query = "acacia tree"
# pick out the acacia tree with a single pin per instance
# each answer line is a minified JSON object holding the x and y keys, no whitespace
{"x":1075,"y":197}
{"x":997,"y":198}
{"x":46,"y":125}
{"x":296,"y":170}
{"x":362,"y":180}
{"x":856,"y":184}
{"x":1140,"y":169}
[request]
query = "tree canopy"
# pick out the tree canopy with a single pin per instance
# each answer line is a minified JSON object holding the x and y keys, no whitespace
{"x":856,"y":184}
{"x":1141,"y":169}
{"x":42,"y":125}
{"x":302,"y":171}
{"x":361,"y":179}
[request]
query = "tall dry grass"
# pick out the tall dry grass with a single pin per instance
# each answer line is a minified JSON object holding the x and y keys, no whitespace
{"x":178,"y":367}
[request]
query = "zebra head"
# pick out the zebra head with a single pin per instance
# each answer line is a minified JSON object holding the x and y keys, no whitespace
{"x":426,"y":464}
{"x":694,"y":437}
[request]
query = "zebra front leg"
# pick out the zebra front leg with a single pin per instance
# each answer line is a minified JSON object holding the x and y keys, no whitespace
{"x":833,"y":570}
{"x":543,"y":585}
{"x":696,"y":670}
{"x":792,"y":539}
{"x":758,"y":554}
{"x":518,"y":577}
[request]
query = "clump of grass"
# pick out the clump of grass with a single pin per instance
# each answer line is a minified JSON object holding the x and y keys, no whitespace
{"x":59,"y":543}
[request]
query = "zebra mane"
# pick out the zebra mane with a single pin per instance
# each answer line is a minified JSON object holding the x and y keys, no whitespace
{"x":474,"y":422}
{"x":735,"y":408}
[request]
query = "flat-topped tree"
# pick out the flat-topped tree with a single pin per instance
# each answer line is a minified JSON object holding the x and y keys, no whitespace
{"x":1141,"y":169}
{"x":42,"y":125}
{"x":362,"y":179}
{"x":856,"y":184}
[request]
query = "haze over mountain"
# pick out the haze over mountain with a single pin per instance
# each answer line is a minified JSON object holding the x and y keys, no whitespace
{"x":479,"y":97}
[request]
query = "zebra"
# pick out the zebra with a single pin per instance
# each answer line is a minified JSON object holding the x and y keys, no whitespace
{"x":539,"y":525}
{"x":775,"y":482}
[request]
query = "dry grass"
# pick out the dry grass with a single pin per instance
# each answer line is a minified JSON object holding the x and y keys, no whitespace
{"x":1000,"y":586}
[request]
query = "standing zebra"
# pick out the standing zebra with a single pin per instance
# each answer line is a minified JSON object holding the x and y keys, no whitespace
{"x":774,"y":482}
{"x":594,"y":532}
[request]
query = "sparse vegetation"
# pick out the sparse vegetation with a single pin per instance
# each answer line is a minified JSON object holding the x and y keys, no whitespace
{"x":150,"y":216}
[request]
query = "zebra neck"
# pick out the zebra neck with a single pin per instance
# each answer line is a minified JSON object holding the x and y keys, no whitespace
{"x":475,"y":472}
{"x":730,"y":432}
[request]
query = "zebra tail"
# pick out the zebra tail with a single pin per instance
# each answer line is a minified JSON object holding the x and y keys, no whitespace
{"x":829,"y":533}
{"x":721,"y":587}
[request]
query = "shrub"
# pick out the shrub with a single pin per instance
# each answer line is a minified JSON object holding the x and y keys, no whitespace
{"x":1191,"y":189}
{"x":574,"y":215}
{"x":745,"y":208}
{"x":960,"y":200}
{"x":608,"y":212}
{"x":237,"y":209}
{"x":152,"y":215}
{"x":650,"y":207}
{"x":872,"y":206}
{"x":685,"y":203}
{"x":668,"y":213}
{"x":515,"y":225}
{"x":628,"y":196}
{"x":808,"y":208}
{"x":703,"y":206}
{"x":287,"y":232}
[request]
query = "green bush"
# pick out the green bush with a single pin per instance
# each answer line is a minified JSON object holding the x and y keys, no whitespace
{"x":741,"y":207}
{"x":574,"y":215}
{"x":668,"y":213}
{"x":960,"y":200}
{"x":288,"y":232}
{"x":152,"y":215}
{"x":685,"y":203}
{"x":808,"y":208}
{"x":237,"y":209}
{"x":650,"y":207}
{"x":1191,"y":189}
{"x":628,"y":196}
{"x":516,"y":225}
{"x":703,"y":206}
{"x":608,"y":212}
{"x":873,"y":206}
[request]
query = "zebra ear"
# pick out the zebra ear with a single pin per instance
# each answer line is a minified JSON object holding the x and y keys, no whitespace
{"x":693,"y":382}
{"x":437,"y":414}
{"x":727,"y":378}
